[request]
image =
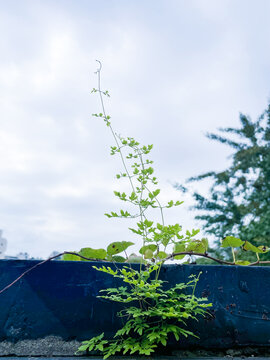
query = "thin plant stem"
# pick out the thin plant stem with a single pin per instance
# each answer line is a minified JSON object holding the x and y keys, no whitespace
{"x":233,"y":254}
{"x":115,"y":137}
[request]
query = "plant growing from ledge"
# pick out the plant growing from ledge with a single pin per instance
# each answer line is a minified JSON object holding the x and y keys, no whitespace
{"x":151,"y":313}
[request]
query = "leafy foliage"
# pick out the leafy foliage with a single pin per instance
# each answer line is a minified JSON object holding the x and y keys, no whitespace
{"x":153,"y":315}
{"x":111,"y":254}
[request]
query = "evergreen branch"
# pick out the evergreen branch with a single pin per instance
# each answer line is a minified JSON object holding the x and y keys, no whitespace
{"x":226,"y":141}
{"x":202,"y":176}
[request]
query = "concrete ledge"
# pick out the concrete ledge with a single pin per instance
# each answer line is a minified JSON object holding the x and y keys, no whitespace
{"x":49,"y":346}
{"x":55,"y":347}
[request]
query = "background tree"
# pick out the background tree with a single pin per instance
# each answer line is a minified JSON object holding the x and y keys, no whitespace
{"x":239,"y":203}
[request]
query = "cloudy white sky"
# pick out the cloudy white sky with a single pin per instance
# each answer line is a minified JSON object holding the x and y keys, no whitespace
{"x":175,"y":70}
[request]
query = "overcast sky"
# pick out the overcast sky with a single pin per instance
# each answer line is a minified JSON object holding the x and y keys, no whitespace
{"x":175,"y":70}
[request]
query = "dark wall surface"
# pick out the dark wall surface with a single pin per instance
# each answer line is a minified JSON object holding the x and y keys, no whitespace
{"x":60,"y":299}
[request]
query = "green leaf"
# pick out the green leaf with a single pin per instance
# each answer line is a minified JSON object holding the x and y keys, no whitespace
{"x":242,"y":262}
{"x":162,"y":255}
{"x":264,"y":248}
{"x":107,"y":270}
{"x":133,"y":196}
{"x":148,"y":254}
{"x":151,"y":247}
{"x":135,"y":231}
{"x":195,"y":232}
{"x":118,"y":246}
{"x":231,"y":241}
{"x":112,"y":214}
{"x":165,"y":240}
{"x":159,"y":226}
{"x":148,"y":223}
{"x":118,"y":258}
{"x":204,"y":241}
{"x":198,"y":246}
{"x":83,"y":348}
{"x":70,"y":257}
{"x":249,"y":247}
{"x":179,"y":247}
{"x":156,"y":192}
{"x":93,"y":253}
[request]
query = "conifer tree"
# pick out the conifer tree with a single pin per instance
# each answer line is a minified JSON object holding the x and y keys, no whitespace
{"x":239,"y":202}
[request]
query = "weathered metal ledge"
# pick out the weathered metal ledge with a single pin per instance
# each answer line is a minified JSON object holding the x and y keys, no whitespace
{"x":55,"y":306}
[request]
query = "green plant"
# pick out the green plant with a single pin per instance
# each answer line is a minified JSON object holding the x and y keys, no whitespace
{"x":152,"y":313}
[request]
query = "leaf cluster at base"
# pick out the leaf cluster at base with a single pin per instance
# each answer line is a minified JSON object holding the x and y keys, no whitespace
{"x":153,"y":314}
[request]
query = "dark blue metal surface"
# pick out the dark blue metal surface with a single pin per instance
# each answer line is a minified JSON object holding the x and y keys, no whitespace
{"x":59,"y":298}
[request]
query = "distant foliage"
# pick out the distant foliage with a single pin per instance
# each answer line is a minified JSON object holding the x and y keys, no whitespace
{"x":239,"y":204}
